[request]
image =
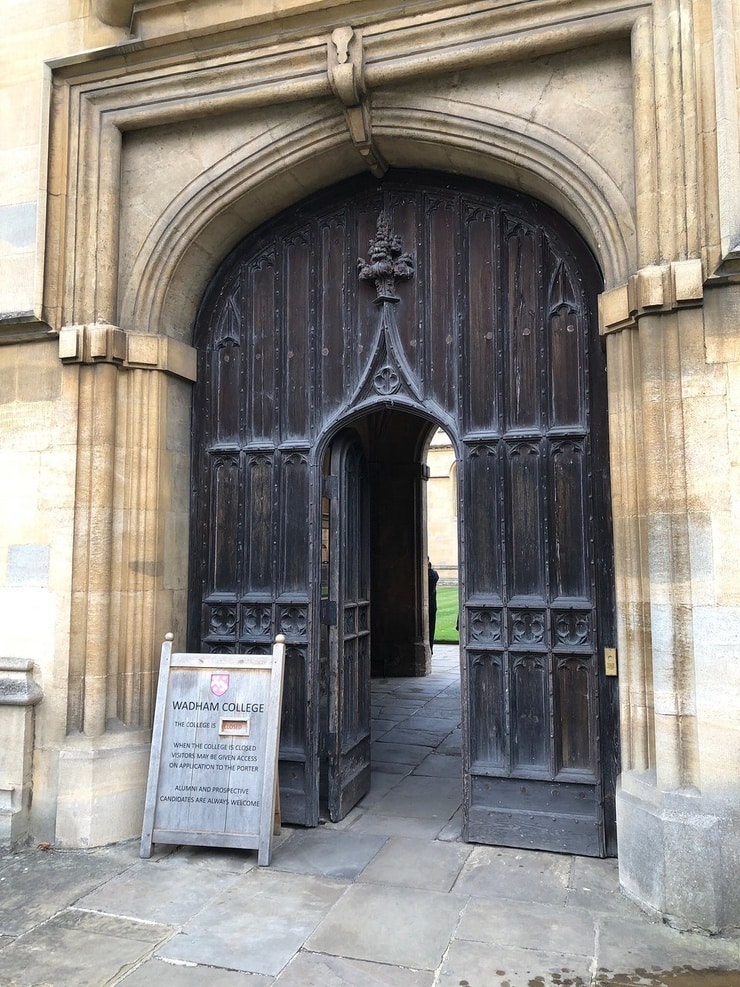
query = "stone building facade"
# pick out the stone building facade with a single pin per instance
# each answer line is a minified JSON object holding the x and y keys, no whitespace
{"x":142,"y":141}
{"x":442,"y":507}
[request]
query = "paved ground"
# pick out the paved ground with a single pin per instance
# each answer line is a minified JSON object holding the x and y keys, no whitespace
{"x":387,"y":898}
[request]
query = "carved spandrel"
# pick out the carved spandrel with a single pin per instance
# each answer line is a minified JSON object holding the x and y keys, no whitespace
{"x":527,"y":627}
{"x":572,"y":629}
{"x":293,"y":621}
{"x":256,"y":619}
{"x":222,"y":622}
{"x":485,"y":626}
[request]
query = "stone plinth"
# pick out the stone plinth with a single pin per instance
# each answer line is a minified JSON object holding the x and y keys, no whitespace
{"x":678,"y":855}
{"x":102,"y":784}
{"x":19,"y":694}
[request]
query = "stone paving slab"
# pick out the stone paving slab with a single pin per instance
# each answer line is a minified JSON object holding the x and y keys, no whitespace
{"x":451,"y":832}
{"x":439,"y":766}
{"x":510,"y":923}
{"x":676,"y":976}
{"x":161,"y":973}
{"x":452,"y":744}
{"x":382,"y":783}
{"x":398,"y":768}
{"x":220,"y":859}
{"x":400,"y":701}
{"x":341,"y":855}
{"x":602,"y":902}
{"x":36,"y":884}
{"x":431,"y":719}
{"x":379,"y":727}
{"x":411,"y":735}
{"x":595,"y":887}
{"x":318,"y":970}
{"x":637,"y":943}
{"x":258,"y":924}
{"x":416,"y":864}
{"x":78,"y":948}
{"x":154,"y":892}
{"x":385,"y":751}
{"x":523,"y":875}
{"x":399,"y":926}
{"x":478,"y":965}
{"x":414,"y":828}
{"x":419,"y":796}
{"x":594,"y":874}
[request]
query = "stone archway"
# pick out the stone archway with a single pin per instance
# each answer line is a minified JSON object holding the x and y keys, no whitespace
{"x":129,"y":302}
{"x":242,"y":190}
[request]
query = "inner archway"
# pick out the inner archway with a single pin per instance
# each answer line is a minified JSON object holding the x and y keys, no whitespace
{"x":375,"y":618}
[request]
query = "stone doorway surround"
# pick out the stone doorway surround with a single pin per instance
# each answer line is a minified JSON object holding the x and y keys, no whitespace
{"x":167,"y":150}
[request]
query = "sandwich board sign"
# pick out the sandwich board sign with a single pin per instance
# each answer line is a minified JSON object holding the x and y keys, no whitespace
{"x":213,"y":763}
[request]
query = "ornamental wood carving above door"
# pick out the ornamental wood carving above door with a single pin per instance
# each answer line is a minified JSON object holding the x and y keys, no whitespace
{"x":480,"y":317}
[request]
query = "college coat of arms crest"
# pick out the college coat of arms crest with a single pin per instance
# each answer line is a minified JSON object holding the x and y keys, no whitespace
{"x":219,"y":683}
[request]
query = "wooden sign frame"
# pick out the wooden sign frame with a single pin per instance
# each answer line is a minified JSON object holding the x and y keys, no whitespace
{"x":213,"y":764}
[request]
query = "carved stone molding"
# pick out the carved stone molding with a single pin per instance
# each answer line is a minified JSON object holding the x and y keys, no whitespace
{"x":117,"y":13}
{"x":92,"y":344}
{"x":103,"y":343}
{"x":661,"y":288}
{"x":346,"y":71}
{"x":17,"y":686}
{"x":346,"y":66}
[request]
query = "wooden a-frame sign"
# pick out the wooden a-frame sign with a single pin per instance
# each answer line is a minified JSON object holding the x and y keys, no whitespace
{"x":213,"y":764}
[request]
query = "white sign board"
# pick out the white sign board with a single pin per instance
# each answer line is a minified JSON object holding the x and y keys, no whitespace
{"x":213,"y":766}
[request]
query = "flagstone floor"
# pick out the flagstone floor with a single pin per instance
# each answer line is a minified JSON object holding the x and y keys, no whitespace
{"x":388,"y":897}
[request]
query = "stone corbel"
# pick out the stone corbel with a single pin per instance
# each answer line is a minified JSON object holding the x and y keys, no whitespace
{"x":652,"y":290}
{"x":146,"y":351}
{"x":345,"y":58}
{"x":102,"y":343}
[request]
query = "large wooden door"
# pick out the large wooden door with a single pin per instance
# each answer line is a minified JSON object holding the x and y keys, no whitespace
{"x":541,"y":752}
{"x":348,"y":613}
{"x":475,"y":309}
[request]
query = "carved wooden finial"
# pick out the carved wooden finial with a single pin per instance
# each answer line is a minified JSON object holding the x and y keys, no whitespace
{"x":387,"y":261}
{"x":169,"y":636}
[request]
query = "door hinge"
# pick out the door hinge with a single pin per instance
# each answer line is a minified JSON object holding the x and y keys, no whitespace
{"x":329,"y":612}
